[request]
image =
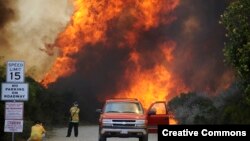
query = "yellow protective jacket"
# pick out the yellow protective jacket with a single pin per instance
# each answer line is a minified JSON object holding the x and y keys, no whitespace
{"x":36,"y":132}
{"x":74,"y":112}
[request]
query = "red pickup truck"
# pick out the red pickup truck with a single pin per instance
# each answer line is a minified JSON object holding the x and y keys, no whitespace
{"x":127,"y":118}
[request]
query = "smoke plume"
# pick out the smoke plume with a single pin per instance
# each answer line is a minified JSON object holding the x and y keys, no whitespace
{"x":7,"y":15}
{"x":200,"y":39}
{"x":27,"y":27}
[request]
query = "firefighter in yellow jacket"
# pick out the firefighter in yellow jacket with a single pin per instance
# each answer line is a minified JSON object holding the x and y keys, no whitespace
{"x":74,"y":119}
{"x":37,"y":132}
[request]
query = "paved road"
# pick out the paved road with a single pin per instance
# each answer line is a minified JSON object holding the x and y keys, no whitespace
{"x":87,"y":133}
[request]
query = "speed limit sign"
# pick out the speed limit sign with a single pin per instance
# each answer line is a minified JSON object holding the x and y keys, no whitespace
{"x":15,"y":71}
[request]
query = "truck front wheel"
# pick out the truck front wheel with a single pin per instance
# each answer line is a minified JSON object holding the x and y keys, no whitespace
{"x":102,"y":138}
{"x":143,"y":138}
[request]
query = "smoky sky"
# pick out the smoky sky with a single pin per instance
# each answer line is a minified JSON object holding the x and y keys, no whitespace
{"x":200,"y":40}
{"x":198,"y":56}
{"x":7,"y":13}
{"x":27,"y":27}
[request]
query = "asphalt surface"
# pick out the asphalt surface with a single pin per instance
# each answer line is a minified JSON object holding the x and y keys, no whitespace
{"x":86,"y":133}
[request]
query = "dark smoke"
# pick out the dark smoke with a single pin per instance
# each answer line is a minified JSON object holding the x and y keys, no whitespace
{"x":198,"y":55}
{"x":200,"y":39}
{"x":7,"y":15}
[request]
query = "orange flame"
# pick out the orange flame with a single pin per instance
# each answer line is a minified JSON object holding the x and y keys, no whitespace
{"x":155,"y":84}
{"x":172,"y":121}
{"x":90,"y":22}
{"x":88,"y":25}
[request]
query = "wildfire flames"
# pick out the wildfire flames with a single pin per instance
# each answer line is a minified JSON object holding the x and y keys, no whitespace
{"x":151,"y":50}
{"x":89,"y":24}
{"x":154,"y":84}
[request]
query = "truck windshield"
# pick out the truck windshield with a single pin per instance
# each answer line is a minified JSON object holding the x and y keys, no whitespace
{"x":123,"y":107}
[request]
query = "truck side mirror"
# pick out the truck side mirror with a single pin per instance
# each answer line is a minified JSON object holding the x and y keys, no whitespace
{"x":99,"y":110}
{"x":151,"y":112}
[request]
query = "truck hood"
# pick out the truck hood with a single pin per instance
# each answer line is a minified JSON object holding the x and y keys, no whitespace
{"x":123,"y":116}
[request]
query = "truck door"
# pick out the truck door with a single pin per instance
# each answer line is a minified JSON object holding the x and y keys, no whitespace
{"x":157,"y":114}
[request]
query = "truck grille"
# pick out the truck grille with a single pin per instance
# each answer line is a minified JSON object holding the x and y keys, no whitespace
{"x":123,"y":120}
{"x":123,"y":123}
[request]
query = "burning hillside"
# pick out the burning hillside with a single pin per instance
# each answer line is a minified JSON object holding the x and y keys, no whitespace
{"x":127,"y":49}
{"x":148,"y":49}
{"x":120,"y":25}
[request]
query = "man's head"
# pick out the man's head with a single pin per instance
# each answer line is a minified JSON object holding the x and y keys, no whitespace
{"x":75,"y":103}
{"x":38,"y":122}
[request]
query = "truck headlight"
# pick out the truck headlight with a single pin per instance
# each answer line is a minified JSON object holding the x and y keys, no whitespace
{"x":141,"y":123}
{"x":107,"y":122}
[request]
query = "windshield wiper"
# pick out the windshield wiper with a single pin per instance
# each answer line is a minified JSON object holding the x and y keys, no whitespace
{"x":129,"y":112}
{"x":112,"y":112}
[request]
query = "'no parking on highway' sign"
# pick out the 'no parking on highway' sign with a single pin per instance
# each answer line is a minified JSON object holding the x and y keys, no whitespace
{"x":15,"y":91}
